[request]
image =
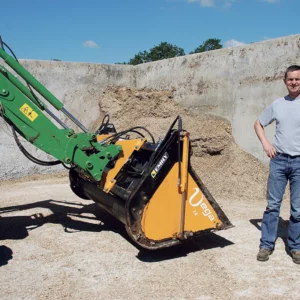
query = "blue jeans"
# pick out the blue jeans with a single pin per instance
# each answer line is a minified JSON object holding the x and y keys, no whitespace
{"x":283,"y":168}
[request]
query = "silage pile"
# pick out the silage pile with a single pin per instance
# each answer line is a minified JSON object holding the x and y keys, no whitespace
{"x":226,"y":170}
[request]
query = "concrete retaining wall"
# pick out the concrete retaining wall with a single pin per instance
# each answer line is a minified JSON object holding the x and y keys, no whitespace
{"x":234,"y":83}
{"x":79,"y":86}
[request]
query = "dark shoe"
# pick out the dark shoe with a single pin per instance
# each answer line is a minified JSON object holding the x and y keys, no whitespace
{"x":296,"y":256}
{"x":263,"y":254}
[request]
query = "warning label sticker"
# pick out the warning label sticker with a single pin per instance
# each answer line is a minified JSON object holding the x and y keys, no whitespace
{"x":28,"y":112}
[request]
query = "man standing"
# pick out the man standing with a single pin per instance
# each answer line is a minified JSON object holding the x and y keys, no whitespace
{"x":284,"y":165}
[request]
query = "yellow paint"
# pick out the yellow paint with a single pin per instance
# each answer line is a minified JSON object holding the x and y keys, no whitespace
{"x":162,"y":214}
{"x":128,"y":146}
{"x":184,"y":164}
{"x":102,"y":137}
{"x":28,"y":112}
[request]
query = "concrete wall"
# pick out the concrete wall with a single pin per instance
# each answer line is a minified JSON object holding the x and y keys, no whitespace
{"x":234,"y":83}
{"x":79,"y":86}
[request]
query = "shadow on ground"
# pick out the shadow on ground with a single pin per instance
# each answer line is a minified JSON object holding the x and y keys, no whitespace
{"x":204,"y":242}
{"x":5,"y":255}
{"x":17,"y":227}
{"x":75,"y":217}
{"x":282,"y":231}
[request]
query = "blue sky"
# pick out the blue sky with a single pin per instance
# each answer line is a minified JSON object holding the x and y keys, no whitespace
{"x":113,"y":31}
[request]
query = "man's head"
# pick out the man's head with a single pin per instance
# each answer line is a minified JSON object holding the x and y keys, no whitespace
{"x":292,"y":80}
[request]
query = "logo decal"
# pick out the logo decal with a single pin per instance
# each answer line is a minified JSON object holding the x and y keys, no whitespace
{"x":193,"y":196}
{"x":159,"y":165}
{"x":205,"y":210}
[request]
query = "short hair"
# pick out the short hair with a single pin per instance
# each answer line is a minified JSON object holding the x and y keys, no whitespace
{"x":291,"y":69}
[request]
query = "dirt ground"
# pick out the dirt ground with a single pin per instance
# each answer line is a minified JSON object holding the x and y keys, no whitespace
{"x":54,"y":245}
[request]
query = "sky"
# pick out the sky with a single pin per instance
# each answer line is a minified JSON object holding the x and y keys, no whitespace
{"x":113,"y":31}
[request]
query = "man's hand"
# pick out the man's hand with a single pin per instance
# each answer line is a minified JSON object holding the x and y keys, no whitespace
{"x":269,"y":149}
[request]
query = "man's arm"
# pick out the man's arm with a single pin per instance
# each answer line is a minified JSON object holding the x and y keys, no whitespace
{"x":260,"y":132}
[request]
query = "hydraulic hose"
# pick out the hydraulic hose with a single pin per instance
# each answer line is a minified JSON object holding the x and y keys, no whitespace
{"x":29,"y":156}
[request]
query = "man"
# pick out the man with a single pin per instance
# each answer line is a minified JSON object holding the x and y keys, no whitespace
{"x":284,"y":165}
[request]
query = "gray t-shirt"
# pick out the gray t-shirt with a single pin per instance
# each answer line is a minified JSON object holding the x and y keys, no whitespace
{"x":286,"y":112}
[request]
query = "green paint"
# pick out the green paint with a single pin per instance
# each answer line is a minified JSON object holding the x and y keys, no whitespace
{"x":80,"y":149}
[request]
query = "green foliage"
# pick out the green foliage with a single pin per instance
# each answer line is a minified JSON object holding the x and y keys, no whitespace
{"x":165,"y":50}
{"x":139,"y":58}
{"x":208,"y":45}
{"x":55,"y":59}
{"x":162,"y":51}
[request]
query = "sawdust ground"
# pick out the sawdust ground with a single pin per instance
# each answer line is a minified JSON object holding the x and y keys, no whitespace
{"x":54,"y":245}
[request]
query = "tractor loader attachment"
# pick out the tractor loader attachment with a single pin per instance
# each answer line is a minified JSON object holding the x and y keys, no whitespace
{"x":154,"y":191}
{"x":150,"y":187}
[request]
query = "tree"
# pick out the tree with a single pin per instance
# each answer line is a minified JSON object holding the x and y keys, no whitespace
{"x":208,"y":45}
{"x":139,"y":58}
{"x":162,"y":51}
{"x":165,"y":50}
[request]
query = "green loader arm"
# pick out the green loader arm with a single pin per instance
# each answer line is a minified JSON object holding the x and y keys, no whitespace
{"x":26,"y":113}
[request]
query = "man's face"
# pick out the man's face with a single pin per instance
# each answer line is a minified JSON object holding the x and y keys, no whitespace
{"x":292,"y":83}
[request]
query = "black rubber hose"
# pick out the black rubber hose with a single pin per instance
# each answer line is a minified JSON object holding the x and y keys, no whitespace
{"x":133,"y":129}
{"x":103,"y":124}
{"x":2,"y":44}
{"x":29,"y":156}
